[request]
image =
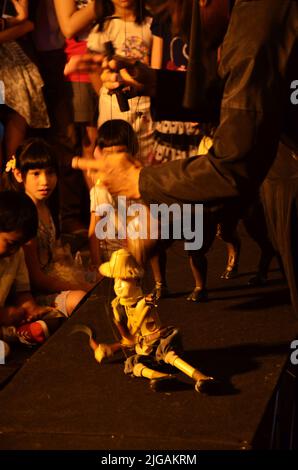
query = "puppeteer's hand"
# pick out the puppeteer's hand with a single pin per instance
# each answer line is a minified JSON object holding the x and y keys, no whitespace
{"x":103,"y":350}
{"x":85,"y":63}
{"x":136,"y":76}
{"x":116,"y":172}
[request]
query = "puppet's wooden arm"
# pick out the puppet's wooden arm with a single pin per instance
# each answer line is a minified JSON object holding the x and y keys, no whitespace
{"x":103,"y":350}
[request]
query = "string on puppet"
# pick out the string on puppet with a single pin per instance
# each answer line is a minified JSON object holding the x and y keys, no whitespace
{"x":131,"y":108}
{"x":3,"y":8}
{"x":137,"y":111}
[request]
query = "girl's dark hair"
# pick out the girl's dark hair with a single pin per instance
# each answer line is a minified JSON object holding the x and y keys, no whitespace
{"x":177,"y":12}
{"x":105,"y":8}
{"x":18,"y":214}
{"x":117,"y":132}
{"x":33,"y":154}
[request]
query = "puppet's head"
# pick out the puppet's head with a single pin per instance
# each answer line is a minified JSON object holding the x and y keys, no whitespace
{"x":126,"y":272}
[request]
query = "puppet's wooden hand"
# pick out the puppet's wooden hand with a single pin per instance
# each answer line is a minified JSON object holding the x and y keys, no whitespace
{"x":102,"y":351}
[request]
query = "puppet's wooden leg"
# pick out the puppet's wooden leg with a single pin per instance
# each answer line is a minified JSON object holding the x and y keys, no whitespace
{"x":140,"y":370}
{"x":158,"y":380}
{"x":200,"y":378}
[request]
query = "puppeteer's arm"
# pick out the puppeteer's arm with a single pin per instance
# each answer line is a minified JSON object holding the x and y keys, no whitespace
{"x":253,"y":67}
{"x":255,"y":55}
{"x":104,"y":350}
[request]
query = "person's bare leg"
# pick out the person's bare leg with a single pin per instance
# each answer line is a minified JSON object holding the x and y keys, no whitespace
{"x":198,"y":265}
{"x":73,"y":299}
{"x":158,"y":266}
{"x":227,"y":231}
{"x":233,"y":251}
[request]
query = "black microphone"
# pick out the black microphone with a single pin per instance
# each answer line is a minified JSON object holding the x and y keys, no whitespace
{"x":195,"y":85}
{"x":120,"y":94}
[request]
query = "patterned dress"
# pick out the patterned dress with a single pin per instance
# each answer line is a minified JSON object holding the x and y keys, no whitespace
{"x":46,"y":248}
{"x":22,"y":85}
{"x":46,"y":239}
{"x":173,"y":140}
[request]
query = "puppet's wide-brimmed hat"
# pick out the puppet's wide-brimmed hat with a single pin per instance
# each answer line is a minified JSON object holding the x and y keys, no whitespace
{"x":121,"y":265}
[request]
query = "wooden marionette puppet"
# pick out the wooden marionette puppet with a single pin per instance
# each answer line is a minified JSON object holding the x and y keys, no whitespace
{"x":139,"y":325}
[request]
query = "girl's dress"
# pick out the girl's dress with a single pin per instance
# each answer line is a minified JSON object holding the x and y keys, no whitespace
{"x":129,"y":40}
{"x":57,"y":263}
{"x":22,"y":85}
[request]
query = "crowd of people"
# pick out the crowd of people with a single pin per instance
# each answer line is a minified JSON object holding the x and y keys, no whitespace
{"x":62,"y":98}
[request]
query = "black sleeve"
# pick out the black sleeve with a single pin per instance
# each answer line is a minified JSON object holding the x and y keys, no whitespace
{"x":256,"y":50}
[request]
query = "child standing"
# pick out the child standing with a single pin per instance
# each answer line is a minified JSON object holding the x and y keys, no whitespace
{"x":116,"y":141}
{"x":19,"y":313}
{"x":76,"y":18}
{"x":127,"y":26}
{"x":34,"y":170}
{"x":117,"y":136}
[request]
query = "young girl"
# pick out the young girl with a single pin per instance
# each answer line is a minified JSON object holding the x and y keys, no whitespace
{"x":21,"y":318}
{"x":127,"y":26}
{"x":34,"y":170}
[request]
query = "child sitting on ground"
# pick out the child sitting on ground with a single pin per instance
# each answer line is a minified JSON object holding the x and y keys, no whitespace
{"x":34,"y":170}
{"x":19,"y":313}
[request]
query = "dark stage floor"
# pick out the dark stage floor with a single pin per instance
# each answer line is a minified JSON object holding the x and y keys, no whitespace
{"x":60,"y":398}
